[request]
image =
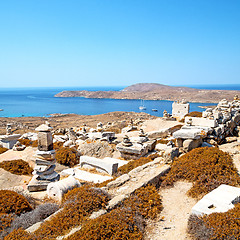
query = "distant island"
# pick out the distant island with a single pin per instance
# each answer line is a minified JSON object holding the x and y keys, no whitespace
{"x":155,"y":91}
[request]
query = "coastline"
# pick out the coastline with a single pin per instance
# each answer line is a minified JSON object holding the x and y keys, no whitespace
{"x":194,"y":96}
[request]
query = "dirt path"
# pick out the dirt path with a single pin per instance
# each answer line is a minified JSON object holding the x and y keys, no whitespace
{"x":176,"y":210}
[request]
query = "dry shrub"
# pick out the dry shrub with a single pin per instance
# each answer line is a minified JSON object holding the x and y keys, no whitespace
{"x":67,"y":156}
{"x":104,"y":184}
{"x":114,"y":129}
{"x":2,"y":150}
{"x":135,"y":163}
{"x":115,"y":225}
{"x":78,"y":204}
{"x":125,"y":222}
{"x":41,"y":212}
{"x":207,"y":168}
{"x":12,"y":202}
{"x":57,"y":145}
{"x":145,"y":202}
{"x":18,"y":167}
{"x":175,"y":128}
{"x":194,"y":114}
{"x":216,"y":226}
{"x":28,"y":142}
{"x":20,"y":234}
{"x":5,"y":222}
{"x":197,"y":229}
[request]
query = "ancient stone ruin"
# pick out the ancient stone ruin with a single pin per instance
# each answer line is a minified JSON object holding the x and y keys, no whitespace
{"x":45,"y":161}
{"x":10,"y":139}
{"x":180,"y":109}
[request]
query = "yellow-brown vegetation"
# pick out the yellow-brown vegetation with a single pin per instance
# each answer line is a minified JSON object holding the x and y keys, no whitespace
{"x":20,"y":234}
{"x":117,"y":224}
{"x":207,"y":168}
{"x":28,"y":142}
{"x":216,"y":226}
{"x":2,"y":150}
{"x":145,"y":202}
{"x":194,"y":114}
{"x":12,"y":202}
{"x":135,"y":163}
{"x":5,"y":221}
{"x":78,"y":204}
{"x":67,"y":156}
{"x":126,"y":221}
{"x":18,"y":167}
{"x":57,"y":145}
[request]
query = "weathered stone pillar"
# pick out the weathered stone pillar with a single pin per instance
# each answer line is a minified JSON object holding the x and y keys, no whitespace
{"x":45,"y":160}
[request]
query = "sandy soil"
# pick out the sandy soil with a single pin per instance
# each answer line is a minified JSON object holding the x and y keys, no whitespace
{"x":158,"y":124}
{"x":172,"y":222}
{"x":27,"y":155}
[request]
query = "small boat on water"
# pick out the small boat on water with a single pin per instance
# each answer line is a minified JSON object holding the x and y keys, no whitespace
{"x":142,"y":107}
{"x":154,"y":110}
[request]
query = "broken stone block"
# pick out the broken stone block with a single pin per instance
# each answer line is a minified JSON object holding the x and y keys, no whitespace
{"x":159,"y":134}
{"x":45,"y":141}
{"x":190,"y":144}
{"x":84,"y":175}
{"x":99,"y":164}
{"x":202,"y":122}
{"x":170,"y":154}
{"x":185,"y":133}
{"x":220,"y":199}
{"x":8,"y":141}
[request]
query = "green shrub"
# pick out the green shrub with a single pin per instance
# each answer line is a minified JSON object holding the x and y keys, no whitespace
{"x":12,"y":202}
{"x":18,"y":167}
{"x":67,"y":156}
{"x":207,"y":168}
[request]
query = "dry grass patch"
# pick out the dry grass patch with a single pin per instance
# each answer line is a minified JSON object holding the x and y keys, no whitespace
{"x":28,"y":142}
{"x":67,"y":156}
{"x":216,"y":226}
{"x":135,"y":163}
{"x":78,"y":204}
{"x":18,"y":167}
{"x":206,"y":168}
{"x":125,"y":222}
{"x":2,"y":150}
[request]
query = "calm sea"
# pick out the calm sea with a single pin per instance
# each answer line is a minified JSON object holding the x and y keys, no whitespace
{"x":41,"y":102}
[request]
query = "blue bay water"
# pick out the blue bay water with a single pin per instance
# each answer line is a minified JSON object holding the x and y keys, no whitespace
{"x":41,"y":102}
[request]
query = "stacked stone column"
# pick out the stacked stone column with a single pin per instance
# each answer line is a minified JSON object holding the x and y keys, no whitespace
{"x":45,"y":160}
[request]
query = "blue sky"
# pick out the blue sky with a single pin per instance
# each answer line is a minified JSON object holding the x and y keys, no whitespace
{"x":119,"y":42}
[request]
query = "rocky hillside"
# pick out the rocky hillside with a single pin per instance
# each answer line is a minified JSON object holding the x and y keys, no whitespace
{"x":154,"y":87}
{"x":154,"y":91}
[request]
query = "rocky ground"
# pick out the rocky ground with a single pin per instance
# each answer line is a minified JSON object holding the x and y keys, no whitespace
{"x":172,"y":222}
{"x":71,"y":120}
